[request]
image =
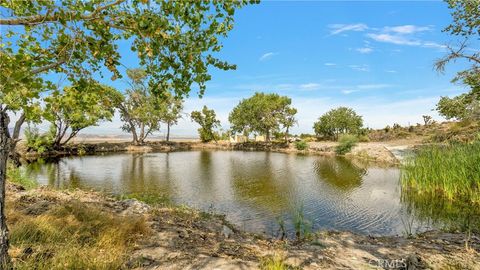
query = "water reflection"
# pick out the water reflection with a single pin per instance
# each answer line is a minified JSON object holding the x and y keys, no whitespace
{"x":340,"y":172}
{"x":450,"y":215}
{"x":251,"y":188}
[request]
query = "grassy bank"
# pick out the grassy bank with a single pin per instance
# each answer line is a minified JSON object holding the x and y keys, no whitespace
{"x":452,"y":171}
{"x":71,"y":236}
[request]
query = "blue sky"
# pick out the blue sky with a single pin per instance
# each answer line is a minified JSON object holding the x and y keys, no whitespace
{"x":376,"y":57}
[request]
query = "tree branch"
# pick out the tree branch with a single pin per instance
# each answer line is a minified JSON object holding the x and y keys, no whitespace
{"x":55,"y":17}
{"x":48,"y":67}
{"x":18,"y":125}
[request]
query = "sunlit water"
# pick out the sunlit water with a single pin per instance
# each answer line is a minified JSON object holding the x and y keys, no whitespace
{"x":253,"y":189}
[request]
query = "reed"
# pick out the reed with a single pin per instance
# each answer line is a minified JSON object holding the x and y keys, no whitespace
{"x":451,"y":171}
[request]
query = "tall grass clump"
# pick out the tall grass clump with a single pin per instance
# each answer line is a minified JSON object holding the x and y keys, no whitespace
{"x":302,"y":226}
{"x":72,"y":236}
{"x":451,"y":170}
{"x":345,"y":144}
{"x":275,"y":262}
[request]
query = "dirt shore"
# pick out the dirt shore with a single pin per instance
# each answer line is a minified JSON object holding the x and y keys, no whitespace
{"x":382,"y":152}
{"x":183,"y":238}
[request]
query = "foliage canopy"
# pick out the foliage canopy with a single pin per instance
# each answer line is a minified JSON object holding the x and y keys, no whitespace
{"x":338,"y":121}
{"x":263,"y":114}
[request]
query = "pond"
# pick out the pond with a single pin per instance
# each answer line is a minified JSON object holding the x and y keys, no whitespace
{"x":255,"y":190}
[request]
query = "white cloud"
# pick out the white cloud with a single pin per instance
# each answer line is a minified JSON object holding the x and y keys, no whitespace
{"x":310,"y":86}
{"x":330,"y":64}
{"x":391,"y":71}
{"x":267,"y":56}
{"x":364,"y":68}
{"x":407,"y":29}
{"x":395,"y":39}
{"x":364,"y":50}
{"x":429,"y":44}
{"x":346,"y":92}
{"x":399,"y":35}
{"x":336,"y":29}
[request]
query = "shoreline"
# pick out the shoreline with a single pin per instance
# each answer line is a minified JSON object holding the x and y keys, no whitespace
{"x":386,"y":153}
{"x":184,"y":238}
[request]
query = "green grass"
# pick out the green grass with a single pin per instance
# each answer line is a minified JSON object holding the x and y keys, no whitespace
{"x":451,"y":171}
{"x":17,"y":176}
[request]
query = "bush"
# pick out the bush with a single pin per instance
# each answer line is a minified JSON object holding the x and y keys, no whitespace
{"x":346,"y":143}
{"x":301,"y":145}
{"x":39,"y":142}
{"x":363,"y":138}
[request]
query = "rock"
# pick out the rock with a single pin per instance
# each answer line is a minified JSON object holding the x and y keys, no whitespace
{"x":227,"y":232}
{"x":414,"y":261}
{"x":135,"y":207}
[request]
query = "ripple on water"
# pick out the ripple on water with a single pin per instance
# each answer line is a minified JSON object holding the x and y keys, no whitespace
{"x":254,"y":189}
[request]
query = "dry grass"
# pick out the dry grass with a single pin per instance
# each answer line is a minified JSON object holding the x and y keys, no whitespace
{"x":72,"y":235}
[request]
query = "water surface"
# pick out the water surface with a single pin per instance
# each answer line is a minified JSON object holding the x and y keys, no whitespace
{"x":253,"y":189}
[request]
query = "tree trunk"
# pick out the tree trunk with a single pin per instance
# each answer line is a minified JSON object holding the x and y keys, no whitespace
{"x":135,"y":137}
{"x":286,"y":135}
{"x":168,"y":131}
{"x":4,"y":152}
{"x":267,"y":136}
{"x":15,"y":138}
{"x":142,"y":134}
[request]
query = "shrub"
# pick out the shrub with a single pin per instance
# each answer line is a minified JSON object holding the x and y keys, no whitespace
{"x":363,"y":138}
{"x":301,"y":145}
{"x":346,"y":143}
{"x":37,"y":141}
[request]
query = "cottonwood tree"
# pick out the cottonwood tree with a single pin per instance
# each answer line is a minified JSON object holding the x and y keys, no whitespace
{"x":174,"y":40}
{"x":79,"y":106}
{"x":466,"y":25}
{"x":461,"y":107}
{"x":141,"y":110}
{"x":172,"y":112}
{"x":338,"y":121}
{"x":207,"y":119}
{"x":288,"y":120}
{"x":263,"y":113}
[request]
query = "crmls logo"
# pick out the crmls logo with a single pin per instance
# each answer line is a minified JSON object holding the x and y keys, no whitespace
{"x":390,"y":264}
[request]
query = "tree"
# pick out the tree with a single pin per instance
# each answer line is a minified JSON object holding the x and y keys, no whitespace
{"x":427,"y":120}
{"x":466,"y":24}
{"x":264,"y":114}
{"x":460,"y":108}
{"x":173,"y":112}
{"x":81,"y":105}
{"x":288,"y":119}
{"x":175,"y":41}
{"x":207,"y":119}
{"x":141,"y":110}
{"x":338,"y":121}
